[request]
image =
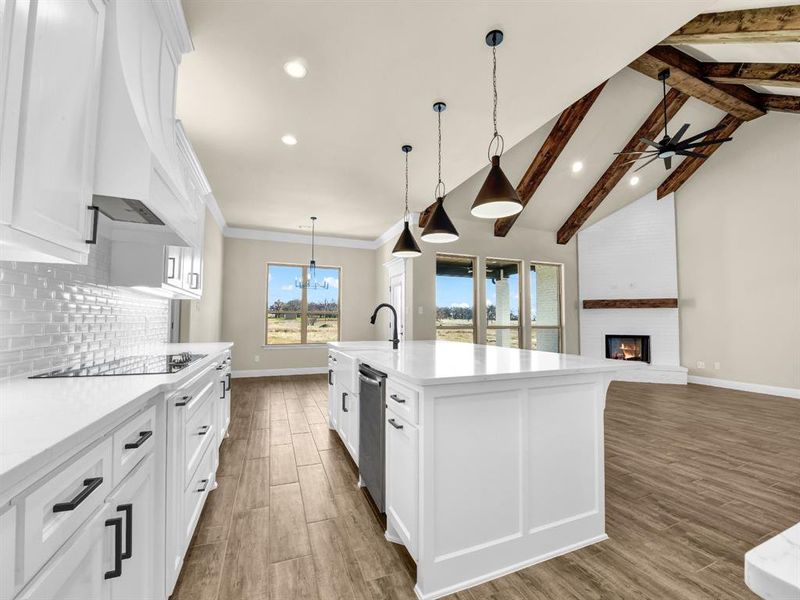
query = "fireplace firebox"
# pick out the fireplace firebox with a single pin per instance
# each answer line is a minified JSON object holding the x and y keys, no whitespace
{"x":628,"y":347}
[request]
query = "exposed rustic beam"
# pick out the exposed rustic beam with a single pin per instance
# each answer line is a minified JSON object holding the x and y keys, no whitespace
{"x":426,"y":214}
{"x":777,"y":74}
{"x":686,"y":75}
{"x":690,"y":164}
{"x":551,"y":149}
{"x":632,"y":303}
{"x":651,"y":127}
{"x":776,"y":24}
{"x":781,"y":103}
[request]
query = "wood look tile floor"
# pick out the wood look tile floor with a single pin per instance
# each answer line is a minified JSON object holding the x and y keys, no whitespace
{"x":695,"y":477}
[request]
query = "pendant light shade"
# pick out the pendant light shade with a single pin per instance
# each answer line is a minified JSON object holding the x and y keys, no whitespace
{"x":497,"y":198}
{"x":406,"y":246}
{"x":439,"y":229}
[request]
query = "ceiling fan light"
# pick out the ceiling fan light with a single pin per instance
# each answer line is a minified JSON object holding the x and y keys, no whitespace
{"x":439,"y":229}
{"x":406,"y":246}
{"x":497,"y":198}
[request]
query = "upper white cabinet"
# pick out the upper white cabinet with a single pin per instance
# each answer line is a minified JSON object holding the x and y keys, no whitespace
{"x":50,"y":66}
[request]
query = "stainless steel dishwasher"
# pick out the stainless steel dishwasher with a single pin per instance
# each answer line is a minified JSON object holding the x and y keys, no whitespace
{"x":371,"y":442}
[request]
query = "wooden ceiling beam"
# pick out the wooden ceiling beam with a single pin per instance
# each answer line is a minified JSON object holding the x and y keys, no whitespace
{"x":758,"y":25}
{"x":566,"y":125}
{"x":425,"y":215}
{"x":651,"y":127}
{"x":686,"y":75}
{"x":781,"y":103}
{"x":690,"y":164}
{"x":777,"y":74}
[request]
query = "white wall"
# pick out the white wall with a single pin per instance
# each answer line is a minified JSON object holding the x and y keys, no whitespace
{"x":201,"y":320}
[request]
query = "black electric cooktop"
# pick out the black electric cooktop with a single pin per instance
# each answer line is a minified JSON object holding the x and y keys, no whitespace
{"x":143,"y":364}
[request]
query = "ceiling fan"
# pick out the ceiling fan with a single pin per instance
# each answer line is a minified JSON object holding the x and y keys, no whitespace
{"x":667,"y":147}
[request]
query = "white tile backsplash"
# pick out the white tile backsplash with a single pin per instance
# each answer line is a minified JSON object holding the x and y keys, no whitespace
{"x":52,"y":315}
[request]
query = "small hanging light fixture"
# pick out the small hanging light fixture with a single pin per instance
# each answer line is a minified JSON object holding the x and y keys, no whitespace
{"x":497,"y":198}
{"x":406,"y":246}
{"x":439,"y":229}
{"x":311,"y":282}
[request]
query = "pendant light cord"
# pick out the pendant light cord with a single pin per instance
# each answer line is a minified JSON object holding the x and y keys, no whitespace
{"x":440,"y":183}
{"x":494,"y":89}
{"x":664,"y":90}
{"x":313,"y":262}
{"x":405,"y":214}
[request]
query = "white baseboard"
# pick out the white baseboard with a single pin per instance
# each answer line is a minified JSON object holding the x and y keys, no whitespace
{"x":278,"y":372}
{"x":757,"y":388}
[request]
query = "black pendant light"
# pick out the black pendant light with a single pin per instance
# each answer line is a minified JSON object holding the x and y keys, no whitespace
{"x":406,"y":246}
{"x":439,"y":229}
{"x":497,"y":197}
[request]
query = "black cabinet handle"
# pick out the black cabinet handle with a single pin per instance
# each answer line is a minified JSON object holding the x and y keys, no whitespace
{"x":91,"y":485}
{"x":397,"y":399}
{"x":344,"y":405}
{"x":128,"y":510}
{"x":205,"y":485}
{"x":171,"y":267}
{"x":96,"y":218}
{"x":394,"y":424}
{"x":222,"y":391}
{"x":117,"y":571}
{"x":227,"y":389}
{"x":220,"y":367}
{"x":204,"y":430}
{"x":184,"y":401}
{"x":143,"y":437}
{"x":330,"y":376}
{"x":194,"y":280}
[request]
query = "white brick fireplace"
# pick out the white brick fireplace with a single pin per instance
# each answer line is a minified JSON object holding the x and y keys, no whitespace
{"x":632,"y":255}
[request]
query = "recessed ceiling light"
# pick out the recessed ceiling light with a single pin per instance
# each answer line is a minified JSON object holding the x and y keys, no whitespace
{"x":577,"y":166}
{"x":634,"y":180}
{"x":289,"y":139}
{"x":295,"y":68}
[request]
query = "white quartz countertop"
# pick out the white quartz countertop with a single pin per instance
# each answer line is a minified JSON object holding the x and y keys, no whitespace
{"x":772,"y":569}
{"x":41,"y":418}
{"x":440,"y":362}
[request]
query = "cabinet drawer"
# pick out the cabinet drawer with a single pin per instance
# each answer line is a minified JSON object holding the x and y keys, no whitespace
{"x":132,"y":441}
{"x":186,"y":395}
{"x":200,"y":430}
{"x":402,"y":456}
{"x":345,"y":371}
{"x":402,"y":400}
{"x":56,"y":507}
{"x":194,"y":496}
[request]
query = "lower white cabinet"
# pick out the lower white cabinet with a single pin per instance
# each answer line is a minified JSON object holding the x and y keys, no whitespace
{"x":347,"y":425}
{"x":223,"y":401}
{"x":402,"y":465}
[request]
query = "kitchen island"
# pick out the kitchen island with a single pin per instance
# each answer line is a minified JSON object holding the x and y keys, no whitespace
{"x":493,"y":456}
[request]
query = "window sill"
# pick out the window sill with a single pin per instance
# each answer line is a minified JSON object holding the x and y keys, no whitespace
{"x":294,"y":346}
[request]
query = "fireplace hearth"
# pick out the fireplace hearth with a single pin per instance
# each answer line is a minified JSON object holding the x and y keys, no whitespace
{"x":628,"y":347}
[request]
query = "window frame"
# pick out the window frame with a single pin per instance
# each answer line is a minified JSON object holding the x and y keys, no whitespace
{"x":560,"y":327}
{"x":520,"y":289}
{"x":304,"y":312}
{"x":474,"y":260}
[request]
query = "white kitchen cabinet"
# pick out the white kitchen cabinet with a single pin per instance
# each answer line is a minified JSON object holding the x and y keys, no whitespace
{"x":158,"y":269}
{"x":50,"y":50}
{"x":78,"y":570}
{"x":135,"y":502}
{"x":402,"y":460}
{"x":224,"y":398}
{"x":333,"y":406}
{"x":347,"y":423}
{"x":8,"y":552}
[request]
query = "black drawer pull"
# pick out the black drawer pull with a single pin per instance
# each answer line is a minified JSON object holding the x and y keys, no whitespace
{"x":93,"y":239}
{"x":398,"y":399}
{"x":143,"y":437}
{"x":220,"y":367}
{"x":222,"y":391}
{"x":394,"y":424}
{"x":128,"y":510}
{"x":330,"y":376}
{"x":344,"y":403}
{"x":229,"y":383}
{"x":117,"y":524}
{"x":204,"y":430}
{"x":205,"y":485}
{"x":184,"y":401}
{"x":91,"y":485}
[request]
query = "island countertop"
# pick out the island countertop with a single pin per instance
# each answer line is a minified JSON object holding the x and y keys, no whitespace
{"x":442,"y":362}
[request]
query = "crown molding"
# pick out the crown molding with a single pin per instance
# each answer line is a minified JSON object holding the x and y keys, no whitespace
{"x":213,"y":208}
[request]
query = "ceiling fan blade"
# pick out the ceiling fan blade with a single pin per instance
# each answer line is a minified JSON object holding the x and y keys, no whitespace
{"x":703,"y":134}
{"x":677,"y":137}
{"x":702,"y":143}
{"x":668,"y":163}
{"x":690,"y":153}
{"x":645,"y":164}
{"x":642,"y":152}
{"x":650,"y":142}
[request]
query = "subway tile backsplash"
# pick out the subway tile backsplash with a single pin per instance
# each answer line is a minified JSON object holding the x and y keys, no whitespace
{"x":53,"y":315}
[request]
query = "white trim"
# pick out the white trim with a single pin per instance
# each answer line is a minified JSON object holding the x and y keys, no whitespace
{"x":277,"y":372}
{"x":213,"y":208}
{"x":268,"y":235}
{"x":757,"y":388}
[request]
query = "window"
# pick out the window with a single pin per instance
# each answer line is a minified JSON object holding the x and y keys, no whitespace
{"x":455,"y":298}
{"x":502,"y":303}
{"x":546,"y":313}
{"x":301,"y":315}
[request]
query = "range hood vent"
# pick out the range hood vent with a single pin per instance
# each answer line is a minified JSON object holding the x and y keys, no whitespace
{"x":126,"y":210}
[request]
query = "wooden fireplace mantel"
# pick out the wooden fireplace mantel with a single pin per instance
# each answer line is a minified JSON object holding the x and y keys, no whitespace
{"x":632,"y":303}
